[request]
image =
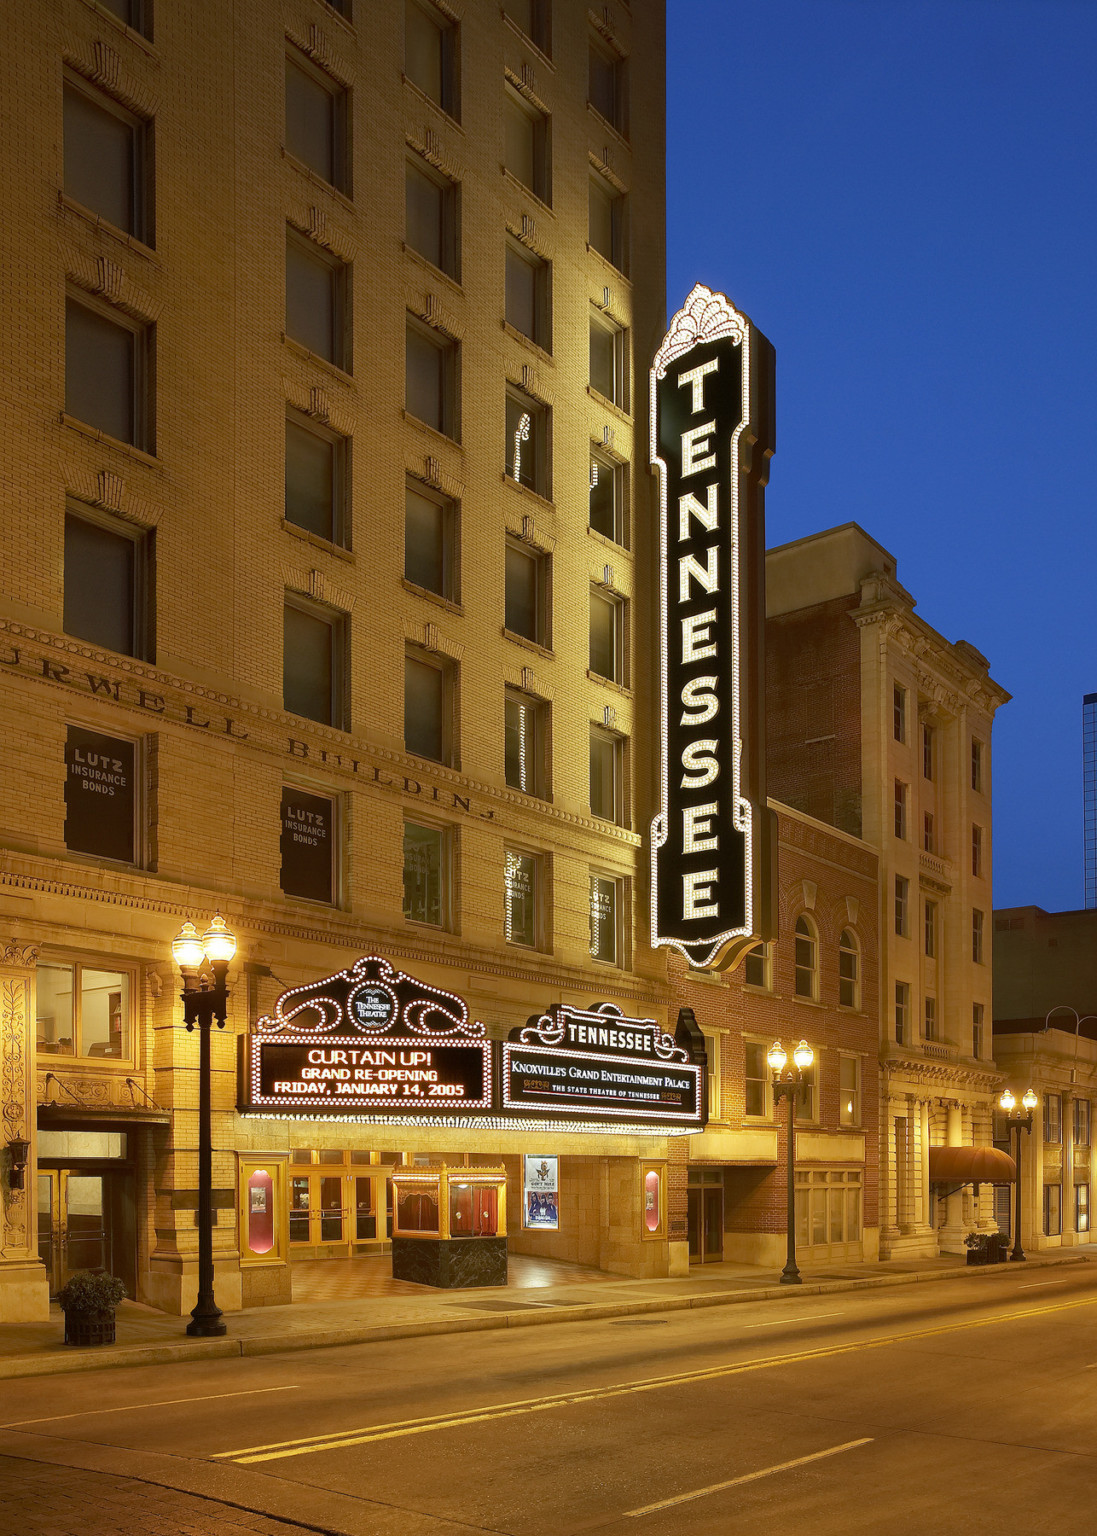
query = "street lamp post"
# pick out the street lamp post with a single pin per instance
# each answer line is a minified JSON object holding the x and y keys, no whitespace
{"x":204,"y":1002}
{"x":787,"y":1083}
{"x":1022,"y":1122}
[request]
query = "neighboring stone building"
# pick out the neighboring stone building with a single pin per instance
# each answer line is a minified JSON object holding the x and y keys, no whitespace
{"x":325,"y":330}
{"x":1045,"y":1038}
{"x":882,"y":727}
{"x":816,"y":981}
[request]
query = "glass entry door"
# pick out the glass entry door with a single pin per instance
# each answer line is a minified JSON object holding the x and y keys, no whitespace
{"x":72,"y":1223}
{"x":333,"y":1212}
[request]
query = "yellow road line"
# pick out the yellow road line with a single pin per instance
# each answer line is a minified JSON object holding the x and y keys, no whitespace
{"x":747,"y":1477}
{"x":338,"y":1439}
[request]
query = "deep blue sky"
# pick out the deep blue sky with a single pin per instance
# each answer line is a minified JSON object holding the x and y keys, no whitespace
{"x":902,"y":194}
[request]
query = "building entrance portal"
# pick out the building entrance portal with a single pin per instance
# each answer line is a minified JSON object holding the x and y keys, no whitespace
{"x":85,"y":1221}
{"x":706,"y":1216}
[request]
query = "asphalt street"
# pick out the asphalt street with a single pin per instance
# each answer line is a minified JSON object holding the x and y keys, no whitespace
{"x":958,"y":1407}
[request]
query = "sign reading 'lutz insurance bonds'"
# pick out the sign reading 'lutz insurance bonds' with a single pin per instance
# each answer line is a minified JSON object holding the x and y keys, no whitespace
{"x":711,"y":437}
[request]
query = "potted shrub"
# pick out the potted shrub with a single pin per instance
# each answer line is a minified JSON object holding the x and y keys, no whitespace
{"x":997,"y":1248}
{"x":977,"y":1248}
{"x":88,"y":1301}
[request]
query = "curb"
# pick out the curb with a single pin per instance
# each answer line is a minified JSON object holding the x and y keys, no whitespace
{"x":14,"y":1366}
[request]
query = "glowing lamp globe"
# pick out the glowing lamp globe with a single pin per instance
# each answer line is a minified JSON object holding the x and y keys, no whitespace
{"x":218,"y":942}
{"x":186,"y":948}
{"x":803,"y":1055}
{"x":1007,"y":1101}
{"x":1030,"y":1100}
{"x":777,"y":1056}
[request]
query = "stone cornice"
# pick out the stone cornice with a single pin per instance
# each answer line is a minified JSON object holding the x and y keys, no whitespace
{"x":947,"y":672}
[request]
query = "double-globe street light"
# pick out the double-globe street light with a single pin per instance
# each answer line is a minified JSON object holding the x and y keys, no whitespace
{"x":788,"y":1083}
{"x":205,"y":1000}
{"x":1022,"y":1122}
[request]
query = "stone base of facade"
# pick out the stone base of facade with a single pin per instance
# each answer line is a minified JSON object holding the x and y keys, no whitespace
{"x":24,"y":1292}
{"x":909,"y":1245}
{"x":266,"y":1285}
{"x":172,"y":1285}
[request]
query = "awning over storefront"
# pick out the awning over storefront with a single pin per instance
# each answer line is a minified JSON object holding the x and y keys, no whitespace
{"x":971,"y":1165}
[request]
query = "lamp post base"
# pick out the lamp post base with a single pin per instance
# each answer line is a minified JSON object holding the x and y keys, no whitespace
{"x":790,"y":1275}
{"x":1018,"y":1254}
{"x":206,"y":1325}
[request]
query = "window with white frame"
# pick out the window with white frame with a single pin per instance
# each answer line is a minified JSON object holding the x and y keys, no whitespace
{"x":756,"y":1079}
{"x":107,"y":159}
{"x":806,"y":959}
{"x":758,"y":967}
{"x":849,"y":970}
{"x":84,"y":1008}
{"x":430,"y":216}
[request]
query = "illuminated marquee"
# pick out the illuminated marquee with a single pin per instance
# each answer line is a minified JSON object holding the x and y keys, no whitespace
{"x":711,"y":437}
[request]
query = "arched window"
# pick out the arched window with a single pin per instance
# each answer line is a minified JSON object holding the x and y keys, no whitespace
{"x":849,"y":970}
{"x":807,"y":959}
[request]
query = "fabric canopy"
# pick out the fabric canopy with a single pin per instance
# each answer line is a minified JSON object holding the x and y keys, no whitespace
{"x":971,"y":1165}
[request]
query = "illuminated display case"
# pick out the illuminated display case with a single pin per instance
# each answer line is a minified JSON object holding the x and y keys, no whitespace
{"x":450,"y":1226}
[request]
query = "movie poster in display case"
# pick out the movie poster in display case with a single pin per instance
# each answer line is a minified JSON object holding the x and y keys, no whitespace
{"x":540,"y":1193}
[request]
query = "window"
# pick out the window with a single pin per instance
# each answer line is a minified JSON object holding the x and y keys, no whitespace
{"x":314,"y":641}
{"x":902,"y":1012}
{"x":976,"y":765}
{"x":316,"y":120}
{"x":107,"y":570}
{"x":317,"y":301}
{"x":525,"y":588}
{"x":83,"y":1010}
{"x":607,"y":757}
{"x":430,"y":215}
{"x":1053,"y":1210}
{"x":849,"y":1090}
{"x":1081,"y":1122}
{"x":522,"y":877}
{"x":930,"y":1016}
{"x":527,"y":295}
{"x":977,"y":925}
{"x":135,"y":13}
{"x":430,"y":54}
{"x":428,"y":708}
{"x":607,"y":497}
{"x":902,"y":906}
{"x":107,"y":373}
{"x":929,"y":739}
{"x":977,"y":1031}
{"x":106,"y":150}
{"x":307,"y":845}
{"x":1053,"y":1118}
{"x":527,"y":457}
{"x":426,"y":874}
{"x":606,"y":86}
{"x":976,"y":851}
{"x":531,"y":17}
{"x":849,"y":970}
{"x":806,"y":1104}
{"x":928,"y":832}
{"x":806,"y":971}
{"x":607,"y":623}
{"x":899,"y":712}
{"x":430,"y":541}
{"x":316,"y":479}
{"x":605,"y":919}
{"x":1081,"y":1207}
{"x":527,"y":146}
{"x":756,"y":1078}
{"x":606,"y":221}
{"x":430,"y":380}
{"x":931,"y":929}
{"x":713,"y":1081}
{"x":608,"y":371}
{"x":758,"y":967}
{"x":828,"y":1206}
{"x":525,"y":743}
{"x":902,"y":793}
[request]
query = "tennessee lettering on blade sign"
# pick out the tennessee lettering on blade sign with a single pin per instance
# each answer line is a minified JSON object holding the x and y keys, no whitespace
{"x":710,"y":442}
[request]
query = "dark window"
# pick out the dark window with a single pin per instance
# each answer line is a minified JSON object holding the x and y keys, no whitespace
{"x":527,"y":456}
{"x":1053,"y":1210}
{"x":426,"y":874}
{"x":849,"y":970}
{"x":317,"y":301}
{"x":931,"y":929}
{"x":430,"y":392}
{"x":527,"y":296}
{"x":106,"y":585}
{"x":101,"y":795}
{"x":316,"y":480}
{"x":756,"y":1078}
{"x":106,"y":374}
{"x":976,"y":765}
{"x":606,"y":636}
{"x":607,"y":497}
{"x":607,"y":361}
{"x":806,"y":966}
{"x":1053,"y":1118}
{"x":977,"y":927}
{"x":607,"y":86}
{"x":901,"y":793}
{"x":430,"y":211}
{"x":427,"y":708}
{"x":312,"y":663}
{"x":527,"y":154}
{"x":977,"y":1030}
{"x":308,"y":845}
{"x":430,"y":537}
{"x":930,"y":1030}
{"x":526,"y":593}
{"x":928,"y":751}
{"x":1081,"y":1122}
{"x":532,"y":17}
{"x":606,"y":775}
{"x":316,"y":120}
{"x":976,"y":851}
{"x":902,"y":906}
{"x":430,"y":54}
{"x":755,"y":967}
{"x":899,"y":712}
{"x":105,"y":159}
{"x":606,"y":221}
{"x":902,"y":1012}
{"x":135,"y":13}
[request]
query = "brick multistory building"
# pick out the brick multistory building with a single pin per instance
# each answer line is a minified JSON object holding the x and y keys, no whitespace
{"x":881,"y":727}
{"x":326,"y":329}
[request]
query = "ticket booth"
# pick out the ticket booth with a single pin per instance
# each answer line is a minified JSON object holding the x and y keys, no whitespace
{"x":450,"y":1226}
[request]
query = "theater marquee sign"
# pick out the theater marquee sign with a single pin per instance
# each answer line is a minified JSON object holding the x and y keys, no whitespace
{"x":711,"y":438}
{"x":371,"y":1043}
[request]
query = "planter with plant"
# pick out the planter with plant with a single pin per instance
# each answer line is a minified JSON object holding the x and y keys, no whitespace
{"x":88,"y":1301}
{"x":977,"y":1247}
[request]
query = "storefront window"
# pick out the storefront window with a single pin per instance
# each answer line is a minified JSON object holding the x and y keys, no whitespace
{"x":828,"y":1206}
{"x":83,"y":1011}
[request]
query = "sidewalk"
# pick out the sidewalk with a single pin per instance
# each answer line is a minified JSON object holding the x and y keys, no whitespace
{"x":148,"y":1337}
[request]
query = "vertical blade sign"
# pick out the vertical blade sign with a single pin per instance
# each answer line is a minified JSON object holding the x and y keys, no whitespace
{"x":710,"y":450}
